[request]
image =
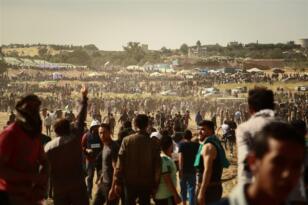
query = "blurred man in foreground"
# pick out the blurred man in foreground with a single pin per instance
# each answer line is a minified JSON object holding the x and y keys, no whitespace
{"x":23,"y":164}
{"x":276,"y":161}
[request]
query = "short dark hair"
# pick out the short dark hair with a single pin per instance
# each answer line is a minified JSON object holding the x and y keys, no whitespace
{"x":127,"y":124}
{"x":62,"y":127}
{"x":106,"y":126}
{"x":165,"y":142}
{"x":300,"y":126}
{"x":278,"y":130}
{"x":164,"y":132}
{"x":142,"y":121}
{"x":208,"y":124}
{"x":187,"y":134}
{"x":261,"y":98}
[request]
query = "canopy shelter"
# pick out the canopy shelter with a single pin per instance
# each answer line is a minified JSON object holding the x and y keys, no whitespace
{"x":57,"y":76}
{"x":254,"y":70}
{"x":156,"y":74}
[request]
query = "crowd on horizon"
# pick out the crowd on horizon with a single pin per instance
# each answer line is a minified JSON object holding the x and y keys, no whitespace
{"x":113,"y":82}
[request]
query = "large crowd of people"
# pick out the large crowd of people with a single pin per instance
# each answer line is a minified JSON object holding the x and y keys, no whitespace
{"x":189,"y":84}
{"x":154,"y":147}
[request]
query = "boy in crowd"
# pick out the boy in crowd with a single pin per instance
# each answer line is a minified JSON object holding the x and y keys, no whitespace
{"x":167,"y":193}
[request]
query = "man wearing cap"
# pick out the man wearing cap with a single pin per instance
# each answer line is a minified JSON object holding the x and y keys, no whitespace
{"x":91,"y":145}
{"x":23,"y":164}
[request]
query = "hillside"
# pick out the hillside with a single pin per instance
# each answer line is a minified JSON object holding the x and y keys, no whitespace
{"x":247,"y":56}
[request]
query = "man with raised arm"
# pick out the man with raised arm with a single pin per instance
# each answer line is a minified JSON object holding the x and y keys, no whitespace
{"x":64,"y":154}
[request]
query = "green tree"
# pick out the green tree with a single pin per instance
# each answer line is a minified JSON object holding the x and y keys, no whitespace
{"x":134,"y":52}
{"x":1,"y":53}
{"x":198,"y":43}
{"x":13,"y":54}
{"x":42,"y":51}
{"x":96,"y":54}
{"x":165,"y":51}
{"x":77,"y":57}
{"x":90,"y":47}
{"x":184,"y":49}
{"x":3,"y":66}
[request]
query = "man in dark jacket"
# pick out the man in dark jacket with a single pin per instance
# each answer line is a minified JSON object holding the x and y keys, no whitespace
{"x":138,"y":166}
{"x":65,"y":157}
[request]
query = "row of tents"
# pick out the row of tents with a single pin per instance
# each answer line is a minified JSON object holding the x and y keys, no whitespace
{"x":257,"y":70}
{"x":27,"y":62}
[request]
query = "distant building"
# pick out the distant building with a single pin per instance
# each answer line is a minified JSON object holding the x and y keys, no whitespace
{"x":163,"y":68}
{"x":234,"y":44}
{"x":197,"y":51}
{"x":303,"y":42}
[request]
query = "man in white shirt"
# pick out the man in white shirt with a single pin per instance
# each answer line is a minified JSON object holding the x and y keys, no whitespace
{"x":261,"y":106}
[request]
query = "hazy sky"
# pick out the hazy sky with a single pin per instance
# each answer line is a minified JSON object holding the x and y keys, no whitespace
{"x":110,"y":24}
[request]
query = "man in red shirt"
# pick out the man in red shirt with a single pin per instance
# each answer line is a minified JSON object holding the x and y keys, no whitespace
{"x":23,"y":164}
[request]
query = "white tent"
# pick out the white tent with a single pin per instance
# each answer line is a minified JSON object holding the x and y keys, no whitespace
{"x":47,"y":83}
{"x":156,"y":74}
{"x":93,"y":74}
{"x":135,"y":68}
{"x":170,"y":70}
{"x":122,"y":72}
{"x":254,"y":70}
{"x":214,"y":71}
{"x":57,"y":76}
{"x":184,"y":72}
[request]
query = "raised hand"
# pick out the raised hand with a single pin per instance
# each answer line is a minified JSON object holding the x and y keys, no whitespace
{"x":84,"y":91}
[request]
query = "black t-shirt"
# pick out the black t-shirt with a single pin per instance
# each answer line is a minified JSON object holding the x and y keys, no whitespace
{"x":189,"y":151}
{"x":109,"y":154}
{"x":45,"y":139}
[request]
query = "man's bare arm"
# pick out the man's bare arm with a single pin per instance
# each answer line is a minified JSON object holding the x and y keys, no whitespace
{"x":82,"y":114}
{"x":208,"y":153}
{"x":181,"y":159}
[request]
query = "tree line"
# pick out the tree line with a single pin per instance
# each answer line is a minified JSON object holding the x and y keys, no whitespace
{"x":134,"y":54}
